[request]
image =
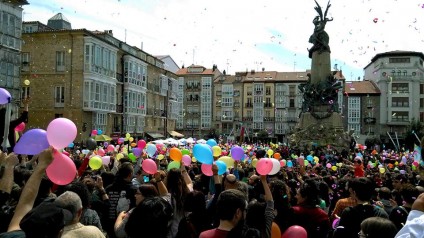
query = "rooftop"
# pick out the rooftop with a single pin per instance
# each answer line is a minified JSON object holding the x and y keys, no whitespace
{"x":362,"y":87}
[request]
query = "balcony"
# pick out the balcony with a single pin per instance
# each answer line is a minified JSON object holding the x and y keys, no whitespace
{"x":258,"y":92}
{"x":119,"y":108}
{"x":268,"y":105}
{"x":291,"y":119}
{"x":370,"y":120}
{"x":192,"y":86}
{"x":237,"y":104}
{"x":247,"y":118}
{"x":249,"y":104}
{"x":236,"y":118}
{"x":269,"y":119}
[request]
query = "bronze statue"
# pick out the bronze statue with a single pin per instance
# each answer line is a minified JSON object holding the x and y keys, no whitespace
{"x":320,"y":38}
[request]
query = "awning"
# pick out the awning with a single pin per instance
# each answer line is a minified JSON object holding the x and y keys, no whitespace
{"x":155,"y":135}
{"x":176,"y":134}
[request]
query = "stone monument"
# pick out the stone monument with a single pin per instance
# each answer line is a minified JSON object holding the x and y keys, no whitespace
{"x":320,"y":123}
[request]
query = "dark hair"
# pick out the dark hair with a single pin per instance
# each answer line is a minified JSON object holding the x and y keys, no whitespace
{"x":81,"y":189}
{"x":177,"y":187}
{"x":310,"y":191}
{"x":195,"y":202}
{"x":255,"y":216}
{"x":125,"y":170}
{"x":385,"y":193}
{"x":150,"y":218}
{"x":228,"y":202}
{"x":409,"y":193}
{"x":281,"y":195}
{"x":148,"y":190}
{"x":107,"y":178}
{"x":363,"y":188}
{"x":375,"y":227}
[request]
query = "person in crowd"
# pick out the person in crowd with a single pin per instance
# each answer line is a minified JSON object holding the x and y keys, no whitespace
{"x":415,"y":221}
{"x":376,"y":227}
{"x":385,"y":200}
{"x":74,"y":229}
{"x":399,"y":214}
{"x":343,"y":203}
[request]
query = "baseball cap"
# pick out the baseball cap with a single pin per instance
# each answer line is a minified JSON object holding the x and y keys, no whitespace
{"x":45,"y":220}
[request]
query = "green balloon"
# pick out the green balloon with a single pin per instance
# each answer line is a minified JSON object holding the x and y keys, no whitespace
{"x":95,"y":162}
{"x":185,"y":152}
{"x":174,"y":165}
{"x":132,"y":157}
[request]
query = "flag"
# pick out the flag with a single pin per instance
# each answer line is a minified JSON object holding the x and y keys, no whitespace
{"x":417,"y":153}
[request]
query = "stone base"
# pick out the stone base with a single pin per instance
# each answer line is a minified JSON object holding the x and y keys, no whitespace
{"x":329,"y":131}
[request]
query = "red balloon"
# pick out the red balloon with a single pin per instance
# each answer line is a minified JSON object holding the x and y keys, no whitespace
{"x":20,"y":127}
{"x":141,"y":144}
{"x":149,"y":166}
{"x":264,"y":166}
{"x":207,"y":169}
{"x":295,"y":232}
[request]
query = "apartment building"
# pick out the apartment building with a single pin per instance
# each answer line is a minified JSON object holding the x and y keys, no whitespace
{"x":399,"y":77}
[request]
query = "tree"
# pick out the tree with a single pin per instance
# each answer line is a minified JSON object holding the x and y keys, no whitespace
{"x":414,"y":130}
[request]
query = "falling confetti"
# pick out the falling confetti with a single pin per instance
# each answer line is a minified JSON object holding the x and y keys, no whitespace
{"x":375,"y":20}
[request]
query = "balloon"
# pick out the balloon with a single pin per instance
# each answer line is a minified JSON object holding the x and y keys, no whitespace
{"x":382,"y":170}
{"x":99,"y":132}
{"x":237,"y":153}
{"x":175,"y":154}
{"x":141,"y":144}
{"x":132,"y":157}
{"x":203,"y":153}
{"x":95,"y":162}
{"x":110,"y":148}
{"x":94,"y":132}
{"x":415,"y":163}
{"x":306,"y":162}
{"x":216,"y":151}
{"x":193,"y":159}
{"x":137,"y":152}
{"x":65,"y":153}
{"x":5,"y":97}
{"x":174,"y":165}
{"x":207,"y":169}
{"x":254,"y":162}
{"x":275,"y":231}
{"x":131,"y":139}
{"x":20,"y":127}
{"x":229,"y":162}
{"x":32,"y":142}
{"x":301,"y":161}
{"x":62,"y":170}
{"x":211,"y":142}
{"x":101,"y":152}
{"x":275,"y":167}
{"x":161,"y":157}
{"x":105,"y":160}
{"x":149,"y":166}
{"x":334,"y":168}
{"x":151,"y":150}
{"x":71,"y":145}
{"x":186,"y":160}
{"x":264,"y":166}
{"x":185,"y":151}
{"x":289,"y":164}
{"x":119,"y":156}
{"x":283,"y":162}
{"x":127,"y":136}
{"x":61,"y":132}
{"x":328,"y":165}
{"x":270,"y":152}
{"x":295,"y":232}
{"x":133,"y":144}
{"x":222,"y":167}
{"x":310,"y":158}
{"x":277,"y":156}
{"x":91,"y":144}
{"x":121,"y":140}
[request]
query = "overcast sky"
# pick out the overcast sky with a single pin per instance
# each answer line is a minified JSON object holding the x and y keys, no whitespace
{"x":248,"y":34}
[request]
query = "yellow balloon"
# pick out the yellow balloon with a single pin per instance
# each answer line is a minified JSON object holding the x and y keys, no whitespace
{"x":228,"y":161}
{"x":194,"y":160}
{"x":127,"y":135}
{"x":270,"y":152}
{"x":382,"y":170}
{"x":316,"y":159}
{"x":131,"y":139}
{"x":26,"y":82}
{"x":334,"y":168}
{"x":254,"y":162}
{"x":119,"y":156}
{"x":160,"y":157}
{"x":216,"y":151}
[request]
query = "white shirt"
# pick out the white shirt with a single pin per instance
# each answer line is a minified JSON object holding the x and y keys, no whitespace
{"x":414,"y":227}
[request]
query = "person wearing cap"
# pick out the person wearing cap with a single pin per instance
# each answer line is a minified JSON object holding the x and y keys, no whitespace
{"x":71,"y":202}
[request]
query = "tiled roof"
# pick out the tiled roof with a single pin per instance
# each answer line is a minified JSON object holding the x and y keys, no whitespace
{"x":361,"y":87}
{"x":185,"y":70}
{"x":225,"y":79}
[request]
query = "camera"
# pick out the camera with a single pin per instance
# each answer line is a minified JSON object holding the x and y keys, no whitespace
{"x":94,"y":177}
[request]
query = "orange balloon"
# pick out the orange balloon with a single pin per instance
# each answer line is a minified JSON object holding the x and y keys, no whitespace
{"x":275,"y":231}
{"x":175,"y":154}
{"x":277,"y":156}
{"x":133,"y":144}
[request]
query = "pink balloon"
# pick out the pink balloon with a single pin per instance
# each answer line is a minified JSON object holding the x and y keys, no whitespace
{"x":110,"y":148}
{"x":186,"y":160}
{"x":264,"y":166}
{"x":94,"y":132}
{"x":101,"y":152}
{"x":61,"y":132}
{"x":65,"y":153}
{"x":141,"y":144}
{"x":207,"y":169}
{"x":329,"y":165}
{"x":20,"y":127}
{"x":62,"y":170}
{"x":149,"y":166}
{"x":105,"y":160}
{"x":282,"y":163}
{"x":295,"y":232}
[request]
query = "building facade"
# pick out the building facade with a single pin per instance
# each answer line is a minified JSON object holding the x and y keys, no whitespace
{"x":400,"y":77}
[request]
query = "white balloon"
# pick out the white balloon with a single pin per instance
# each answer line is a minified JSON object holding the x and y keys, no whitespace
{"x":275,"y":166}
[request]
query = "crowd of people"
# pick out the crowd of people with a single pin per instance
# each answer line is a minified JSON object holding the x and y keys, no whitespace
{"x":320,"y":193}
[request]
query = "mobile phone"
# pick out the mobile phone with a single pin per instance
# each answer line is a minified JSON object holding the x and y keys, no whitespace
{"x":94,"y":177}
{"x":146,"y":179}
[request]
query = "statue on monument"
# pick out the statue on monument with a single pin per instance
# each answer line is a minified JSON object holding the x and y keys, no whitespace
{"x":320,"y":38}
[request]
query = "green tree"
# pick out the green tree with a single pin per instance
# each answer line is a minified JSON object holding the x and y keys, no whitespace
{"x":414,"y":128}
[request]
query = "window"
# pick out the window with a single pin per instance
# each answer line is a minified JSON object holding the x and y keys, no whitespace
{"x":60,"y":60}
{"x":405,"y":73}
{"x":58,"y":115}
{"x":59,"y":96}
{"x":268,"y":90}
{"x":292,"y":90}
{"x":400,"y":88}
{"x":399,"y":60}
{"x":421,"y":88}
{"x":398,"y":116}
{"x":399,"y":73}
{"x":421,"y":102}
{"x":25,"y":57}
{"x":400,"y":102}
{"x":292,"y":102}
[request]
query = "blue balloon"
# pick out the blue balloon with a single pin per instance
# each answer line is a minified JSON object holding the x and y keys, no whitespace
{"x":203,"y":153}
{"x":32,"y":142}
{"x":289,"y":164}
{"x":310,"y":158}
{"x":211,"y":142}
{"x":71,"y":145}
{"x":151,"y":150}
{"x":222,"y":167}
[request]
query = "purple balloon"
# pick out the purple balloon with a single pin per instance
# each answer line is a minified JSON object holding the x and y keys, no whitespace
{"x":237,"y":153}
{"x":105,"y":144}
{"x":4,"y":96}
{"x":137,"y":151}
{"x":32,"y":142}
